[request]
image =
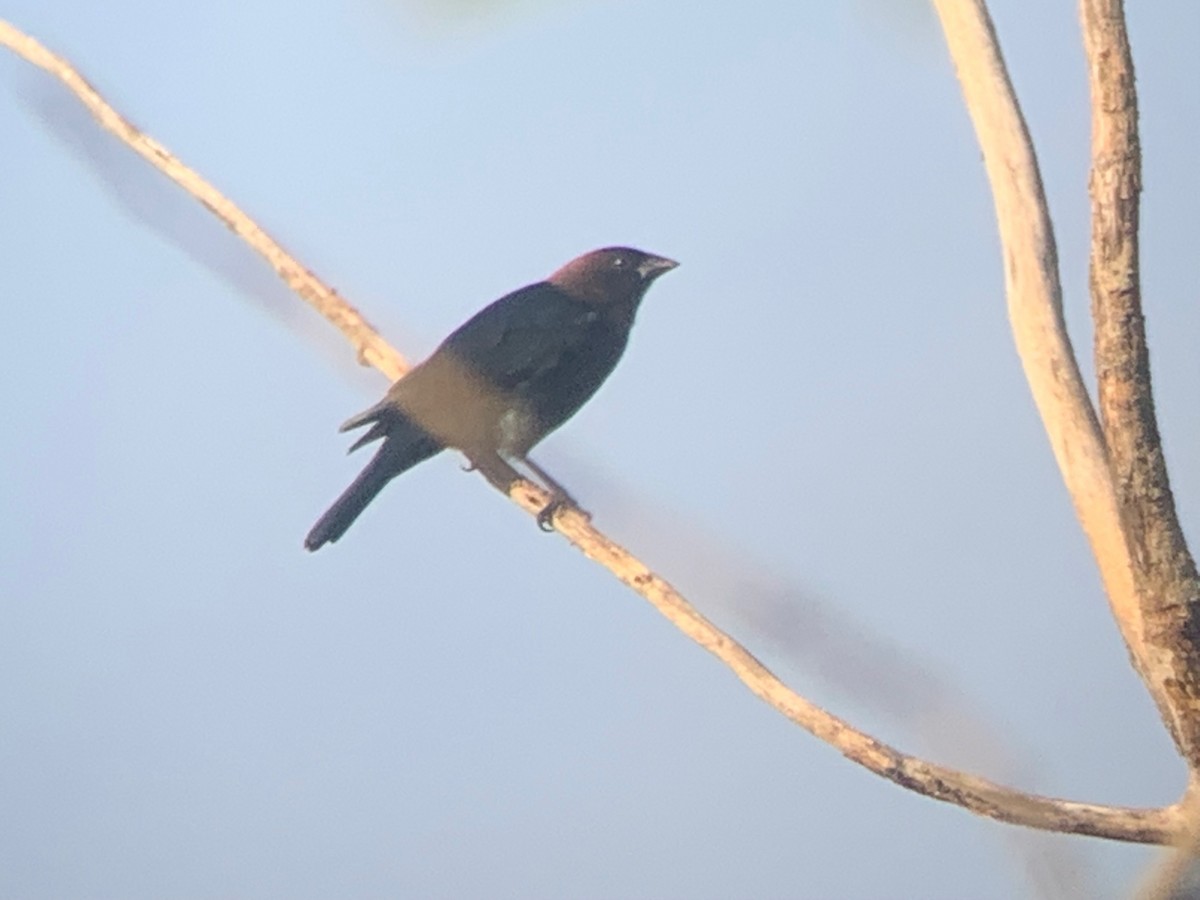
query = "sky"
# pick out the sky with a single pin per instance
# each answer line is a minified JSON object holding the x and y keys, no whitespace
{"x":820,"y":432}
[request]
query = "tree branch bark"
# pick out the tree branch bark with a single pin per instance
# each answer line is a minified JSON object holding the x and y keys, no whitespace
{"x":1168,"y":588}
{"x":962,"y":789}
{"x":1035,"y":310}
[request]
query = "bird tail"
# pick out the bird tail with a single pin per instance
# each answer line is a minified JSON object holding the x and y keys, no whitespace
{"x":381,"y":418}
{"x":406,"y":445}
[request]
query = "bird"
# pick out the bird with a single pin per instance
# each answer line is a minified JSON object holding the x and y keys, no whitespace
{"x":503,"y":380}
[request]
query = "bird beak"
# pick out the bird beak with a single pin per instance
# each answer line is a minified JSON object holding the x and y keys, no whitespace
{"x":653,"y":266}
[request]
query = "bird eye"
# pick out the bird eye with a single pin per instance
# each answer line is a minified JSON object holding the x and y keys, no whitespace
{"x":618,"y":262}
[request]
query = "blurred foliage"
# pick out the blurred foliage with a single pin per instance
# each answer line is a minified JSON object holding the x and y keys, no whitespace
{"x":455,"y":17}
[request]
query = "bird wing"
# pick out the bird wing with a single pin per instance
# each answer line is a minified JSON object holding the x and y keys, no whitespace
{"x":521,"y":336}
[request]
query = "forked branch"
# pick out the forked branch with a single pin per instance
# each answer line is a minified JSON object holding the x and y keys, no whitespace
{"x":1035,"y":310}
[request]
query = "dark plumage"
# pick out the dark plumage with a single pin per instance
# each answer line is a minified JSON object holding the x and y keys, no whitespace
{"x":504,"y":380}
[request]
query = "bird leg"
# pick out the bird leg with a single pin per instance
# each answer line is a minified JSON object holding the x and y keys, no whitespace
{"x":550,"y":483}
{"x":497,"y":471}
{"x":560,"y":497}
{"x":502,"y":476}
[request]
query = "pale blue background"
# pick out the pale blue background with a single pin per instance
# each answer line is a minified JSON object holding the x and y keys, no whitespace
{"x":820,"y":431}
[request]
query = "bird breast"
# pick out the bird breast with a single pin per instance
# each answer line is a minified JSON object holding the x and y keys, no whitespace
{"x":460,"y":409}
{"x":517,"y":431}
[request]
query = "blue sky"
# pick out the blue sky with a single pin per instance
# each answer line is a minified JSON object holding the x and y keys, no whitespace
{"x":820,"y":431}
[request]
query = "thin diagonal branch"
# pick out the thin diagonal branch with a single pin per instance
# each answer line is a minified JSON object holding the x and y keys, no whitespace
{"x":372,"y":349}
{"x":1163,"y":569}
{"x":938,"y":782}
{"x":978,"y":795}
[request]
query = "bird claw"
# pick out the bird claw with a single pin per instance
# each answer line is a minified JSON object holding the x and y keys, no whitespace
{"x":545,"y":518}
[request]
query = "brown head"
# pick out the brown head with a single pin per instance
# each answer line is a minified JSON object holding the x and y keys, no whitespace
{"x":612,"y":276}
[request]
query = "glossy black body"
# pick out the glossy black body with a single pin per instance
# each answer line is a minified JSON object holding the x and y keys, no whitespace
{"x":507,"y":377}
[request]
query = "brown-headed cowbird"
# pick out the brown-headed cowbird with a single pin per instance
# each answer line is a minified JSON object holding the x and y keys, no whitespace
{"x":504,"y":380}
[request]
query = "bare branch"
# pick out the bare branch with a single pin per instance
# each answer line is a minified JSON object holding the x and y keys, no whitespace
{"x":938,"y":782}
{"x":372,"y":349}
{"x":1035,"y":310}
{"x":1163,"y":569}
{"x":978,"y":795}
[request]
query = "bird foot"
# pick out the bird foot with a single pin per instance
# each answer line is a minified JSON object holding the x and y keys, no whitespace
{"x":545,"y":518}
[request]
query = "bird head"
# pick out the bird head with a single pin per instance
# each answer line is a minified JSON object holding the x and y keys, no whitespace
{"x":611,"y":276}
